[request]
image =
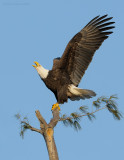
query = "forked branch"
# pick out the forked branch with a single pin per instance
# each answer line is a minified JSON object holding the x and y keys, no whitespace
{"x":47,"y":129}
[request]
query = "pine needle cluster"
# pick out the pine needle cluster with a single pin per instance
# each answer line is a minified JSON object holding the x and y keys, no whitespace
{"x":101,"y":103}
{"x":24,"y":124}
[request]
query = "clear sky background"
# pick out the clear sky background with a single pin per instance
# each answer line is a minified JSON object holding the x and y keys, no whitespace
{"x":39,"y":30}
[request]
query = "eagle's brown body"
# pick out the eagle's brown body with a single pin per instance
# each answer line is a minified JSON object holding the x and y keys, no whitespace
{"x":59,"y":78}
{"x":68,"y":70}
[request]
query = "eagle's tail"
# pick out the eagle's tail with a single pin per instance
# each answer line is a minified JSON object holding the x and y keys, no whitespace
{"x":77,"y":93}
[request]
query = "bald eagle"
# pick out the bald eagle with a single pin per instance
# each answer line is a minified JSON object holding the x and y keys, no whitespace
{"x":64,"y":77}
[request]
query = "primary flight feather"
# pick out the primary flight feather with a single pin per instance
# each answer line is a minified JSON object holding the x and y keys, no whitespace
{"x":68,"y":70}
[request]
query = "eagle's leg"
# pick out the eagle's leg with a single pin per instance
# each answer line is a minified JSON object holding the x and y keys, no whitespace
{"x":56,"y":105}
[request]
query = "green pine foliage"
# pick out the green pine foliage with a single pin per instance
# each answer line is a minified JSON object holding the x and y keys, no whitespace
{"x":101,"y":103}
{"x":24,"y":124}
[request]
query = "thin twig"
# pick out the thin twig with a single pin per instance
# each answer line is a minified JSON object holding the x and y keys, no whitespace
{"x":36,"y":130}
{"x":76,"y":116}
{"x":32,"y":128}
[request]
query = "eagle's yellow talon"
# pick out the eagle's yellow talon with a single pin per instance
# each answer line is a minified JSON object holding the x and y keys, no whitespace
{"x":55,"y":106}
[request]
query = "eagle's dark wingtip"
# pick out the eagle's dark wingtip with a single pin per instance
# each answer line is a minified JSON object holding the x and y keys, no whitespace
{"x":99,"y":20}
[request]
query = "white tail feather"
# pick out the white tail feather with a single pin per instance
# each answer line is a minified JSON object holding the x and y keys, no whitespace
{"x":78,"y":93}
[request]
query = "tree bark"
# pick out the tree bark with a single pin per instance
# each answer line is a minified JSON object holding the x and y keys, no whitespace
{"x":47,"y":130}
{"x":50,"y":143}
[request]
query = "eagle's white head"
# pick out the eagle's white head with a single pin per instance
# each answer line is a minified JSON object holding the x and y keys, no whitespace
{"x":43,"y":73}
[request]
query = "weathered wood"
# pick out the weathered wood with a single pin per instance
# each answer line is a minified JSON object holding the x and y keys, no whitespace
{"x":47,"y":130}
{"x":50,"y":143}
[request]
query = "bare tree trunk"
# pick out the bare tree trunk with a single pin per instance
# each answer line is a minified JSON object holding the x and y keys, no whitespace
{"x":50,"y":143}
{"x":47,"y":130}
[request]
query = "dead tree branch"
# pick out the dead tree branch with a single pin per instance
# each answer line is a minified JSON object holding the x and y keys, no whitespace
{"x":47,"y":130}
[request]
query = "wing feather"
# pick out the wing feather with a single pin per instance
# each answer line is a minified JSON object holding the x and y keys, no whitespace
{"x":56,"y":63}
{"x":81,"y":48}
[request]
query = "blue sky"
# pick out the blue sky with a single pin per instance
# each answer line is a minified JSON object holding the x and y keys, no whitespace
{"x":39,"y":31}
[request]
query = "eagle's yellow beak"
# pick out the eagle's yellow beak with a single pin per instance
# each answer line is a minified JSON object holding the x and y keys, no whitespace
{"x":37,"y":64}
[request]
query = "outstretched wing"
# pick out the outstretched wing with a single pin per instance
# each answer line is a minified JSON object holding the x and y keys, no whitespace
{"x":81,"y":48}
